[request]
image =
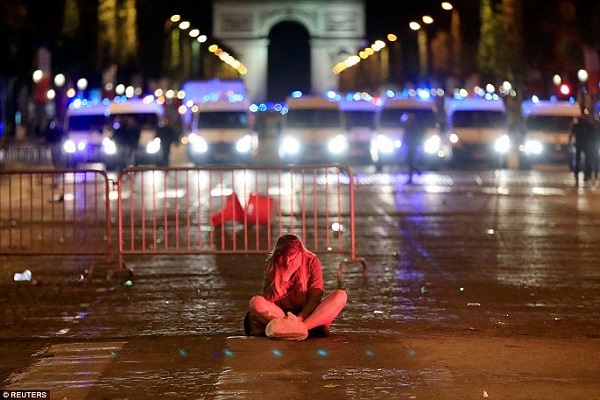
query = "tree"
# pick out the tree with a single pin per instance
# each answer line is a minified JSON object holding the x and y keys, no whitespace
{"x":491,"y":53}
{"x":512,"y":24}
{"x":117,"y":32}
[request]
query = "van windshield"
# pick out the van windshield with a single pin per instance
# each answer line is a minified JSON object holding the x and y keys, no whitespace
{"x":313,"y":118}
{"x":223,"y":119}
{"x":478,"y":118}
{"x":360,"y":119}
{"x":143,"y":120}
{"x":549,"y":123}
{"x":396,"y":117}
{"x":89,"y":123}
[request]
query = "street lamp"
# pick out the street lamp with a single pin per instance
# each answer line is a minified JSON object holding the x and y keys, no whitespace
{"x":195,"y":56}
{"x":582,"y":77}
{"x":423,"y":45}
{"x":447,"y":5}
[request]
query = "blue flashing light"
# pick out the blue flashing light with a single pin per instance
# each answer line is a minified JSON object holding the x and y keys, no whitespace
{"x":296,"y":94}
{"x":95,"y":95}
{"x":263,"y":107}
{"x":390,"y":93}
{"x":236,"y":98}
{"x":332,"y":95}
{"x":76,"y":103}
{"x":423,"y":94}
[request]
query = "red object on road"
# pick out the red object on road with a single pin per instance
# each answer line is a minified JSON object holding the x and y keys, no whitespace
{"x":259,"y":209}
{"x":231,"y":211}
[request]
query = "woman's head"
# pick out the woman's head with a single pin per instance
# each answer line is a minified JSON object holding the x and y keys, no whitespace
{"x":286,"y":261}
{"x":287,"y":245}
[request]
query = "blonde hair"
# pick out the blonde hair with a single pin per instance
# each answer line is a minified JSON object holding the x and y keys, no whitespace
{"x":285,"y":246}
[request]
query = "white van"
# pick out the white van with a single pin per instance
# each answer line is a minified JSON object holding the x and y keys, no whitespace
{"x":99,"y":134}
{"x":220,"y":125}
{"x":84,"y":127}
{"x":312,"y":130}
{"x":546,"y":131}
{"x":360,"y":114}
{"x":222,"y":131}
{"x":391,"y":121}
{"x":477,"y":129}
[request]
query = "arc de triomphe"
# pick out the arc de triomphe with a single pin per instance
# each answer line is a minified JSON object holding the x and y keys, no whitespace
{"x":336,"y":29}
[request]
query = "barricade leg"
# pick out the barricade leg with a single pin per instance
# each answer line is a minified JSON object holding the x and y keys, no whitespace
{"x":360,"y":260}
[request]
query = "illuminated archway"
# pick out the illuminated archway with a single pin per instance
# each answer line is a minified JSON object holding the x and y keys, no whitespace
{"x":334,"y":28}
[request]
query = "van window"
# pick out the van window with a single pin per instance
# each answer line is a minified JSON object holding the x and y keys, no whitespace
{"x":478,"y":118}
{"x":144,"y":120}
{"x":86,"y":122}
{"x":357,"y":118}
{"x":549,"y":123}
{"x":395,"y":117}
{"x":223,"y":119}
{"x":313,"y":118}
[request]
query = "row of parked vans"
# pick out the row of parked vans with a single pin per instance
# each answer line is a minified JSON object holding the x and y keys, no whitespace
{"x":455,"y":129}
{"x":357,"y":129}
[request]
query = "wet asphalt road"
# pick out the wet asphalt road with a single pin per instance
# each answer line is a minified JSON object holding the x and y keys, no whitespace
{"x":481,"y":284}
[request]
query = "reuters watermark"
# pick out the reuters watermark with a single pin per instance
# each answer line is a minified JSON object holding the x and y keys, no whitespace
{"x":24,"y":394}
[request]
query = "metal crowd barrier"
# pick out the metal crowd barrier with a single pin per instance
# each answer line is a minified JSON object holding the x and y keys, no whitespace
{"x":169,"y":211}
{"x":229,"y":210}
{"x":55,"y":212}
{"x":28,"y":154}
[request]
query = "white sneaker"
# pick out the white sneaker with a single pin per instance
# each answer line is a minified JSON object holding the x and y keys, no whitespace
{"x":287,"y":328}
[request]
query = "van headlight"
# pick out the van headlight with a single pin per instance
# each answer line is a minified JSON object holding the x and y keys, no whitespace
{"x":69,"y":146}
{"x":153,"y":147}
{"x":432,"y":145}
{"x":290,"y":145}
{"x":198,"y":144}
{"x":109,"y":146}
{"x":502,"y":145}
{"x":384,"y":144}
{"x":534,"y":147}
{"x":244,"y":145}
{"x":338,"y":144}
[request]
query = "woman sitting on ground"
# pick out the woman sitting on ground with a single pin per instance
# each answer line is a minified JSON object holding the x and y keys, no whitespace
{"x":293,"y":283}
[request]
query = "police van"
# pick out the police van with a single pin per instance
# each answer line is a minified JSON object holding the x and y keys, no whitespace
{"x":391,"y":125}
{"x":115,"y":133}
{"x":220,"y":124}
{"x":546,"y":132}
{"x":360,"y":114}
{"x":313,"y":130}
{"x":477,"y":129}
